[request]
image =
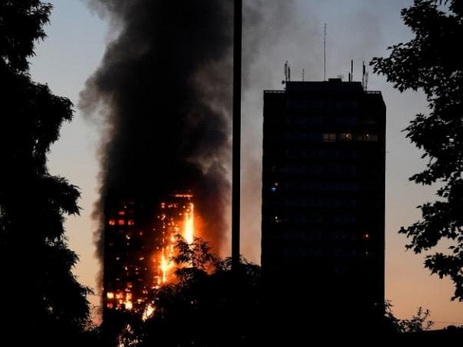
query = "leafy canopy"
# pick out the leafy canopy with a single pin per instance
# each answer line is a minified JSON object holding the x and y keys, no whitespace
{"x":433,"y":63}
{"x":35,"y":261}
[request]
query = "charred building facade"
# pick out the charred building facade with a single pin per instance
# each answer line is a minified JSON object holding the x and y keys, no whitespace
{"x":323,"y":198}
{"x":127,"y":269}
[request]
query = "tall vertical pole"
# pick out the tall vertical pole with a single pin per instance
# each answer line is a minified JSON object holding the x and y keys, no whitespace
{"x":324,"y":53}
{"x":236,"y":147}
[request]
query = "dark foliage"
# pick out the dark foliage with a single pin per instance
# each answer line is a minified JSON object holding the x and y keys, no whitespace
{"x":41,"y":295}
{"x":417,"y":323}
{"x":210,"y":305}
{"x":432,"y":62}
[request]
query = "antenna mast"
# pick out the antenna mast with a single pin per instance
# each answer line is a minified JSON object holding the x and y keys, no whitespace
{"x":364,"y":77}
{"x":287,"y":73}
{"x":351,"y":77}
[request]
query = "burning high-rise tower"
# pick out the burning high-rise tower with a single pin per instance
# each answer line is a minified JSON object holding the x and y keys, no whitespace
{"x":162,"y":95}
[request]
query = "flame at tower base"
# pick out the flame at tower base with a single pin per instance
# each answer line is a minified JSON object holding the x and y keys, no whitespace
{"x":175,"y":219}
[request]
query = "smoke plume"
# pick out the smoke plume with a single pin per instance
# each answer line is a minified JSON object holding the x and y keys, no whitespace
{"x":163,"y":97}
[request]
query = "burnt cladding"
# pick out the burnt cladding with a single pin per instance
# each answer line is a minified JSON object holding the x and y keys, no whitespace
{"x":127,"y":273}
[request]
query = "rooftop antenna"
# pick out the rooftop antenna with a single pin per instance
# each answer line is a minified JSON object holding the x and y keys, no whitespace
{"x":303,"y":73}
{"x":324,"y":53}
{"x":351,"y":73}
{"x":287,"y":73}
{"x":364,"y":77}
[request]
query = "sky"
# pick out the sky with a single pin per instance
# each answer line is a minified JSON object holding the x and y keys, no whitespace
{"x":290,"y":31}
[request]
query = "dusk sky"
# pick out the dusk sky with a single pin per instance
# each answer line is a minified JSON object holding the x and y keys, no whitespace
{"x":289,"y":30}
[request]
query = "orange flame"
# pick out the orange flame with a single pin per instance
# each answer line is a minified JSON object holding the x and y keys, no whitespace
{"x":182,"y":224}
{"x":188,"y":234}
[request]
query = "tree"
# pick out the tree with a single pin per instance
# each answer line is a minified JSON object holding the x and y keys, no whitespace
{"x":430,"y":62}
{"x":199,"y":309}
{"x":41,"y":296}
{"x":418,"y":323}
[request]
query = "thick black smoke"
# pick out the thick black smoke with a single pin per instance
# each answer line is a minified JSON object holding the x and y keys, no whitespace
{"x":163,"y":95}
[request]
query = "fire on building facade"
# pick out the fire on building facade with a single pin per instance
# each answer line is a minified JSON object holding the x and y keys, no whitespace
{"x":138,"y":249}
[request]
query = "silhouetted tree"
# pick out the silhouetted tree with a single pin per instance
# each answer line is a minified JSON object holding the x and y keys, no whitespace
{"x":432,"y":62}
{"x":120,"y":328}
{"x":391,"y":323}
{"x":418,"y":323}
{"x":200,"y":309}
{"x":40,"y":294}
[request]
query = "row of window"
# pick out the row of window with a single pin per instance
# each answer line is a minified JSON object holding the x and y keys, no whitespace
{"x":321,"y":120}
{"x":140,"y":258}
{"x":330,"y":137}
{"x":321,"y":186}
{"x":316,"y":218}
{"x":321,"y":104}
{"x":121,"y":221}
{"x":345,"y":137}
{"x":344,"y":169}
{"x":328,"y":153}
{"x":306,"y":252}
{"x":320,"y":202}
{"x":327,"y":235}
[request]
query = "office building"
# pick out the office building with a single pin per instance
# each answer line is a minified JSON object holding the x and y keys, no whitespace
{"x":323,"y":196}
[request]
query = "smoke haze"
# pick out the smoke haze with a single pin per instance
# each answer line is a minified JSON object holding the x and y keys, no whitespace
{"x":163,"y":95}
